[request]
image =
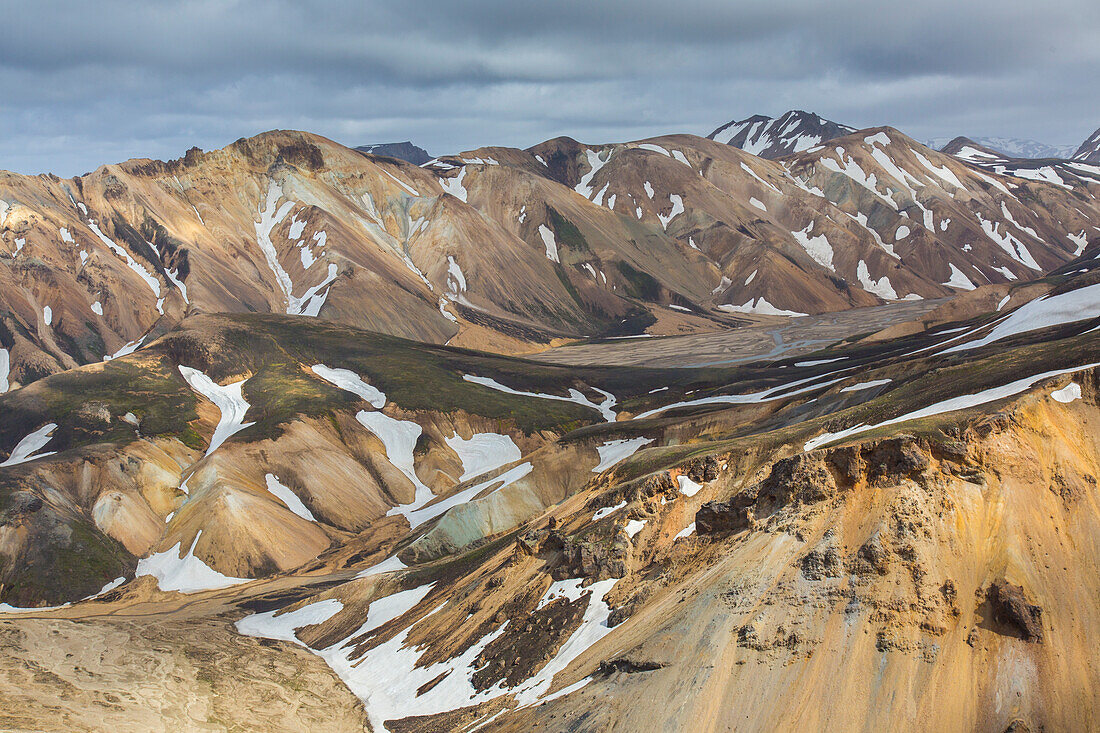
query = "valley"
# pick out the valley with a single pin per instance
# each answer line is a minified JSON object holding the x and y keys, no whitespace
{"x":791,"y":427}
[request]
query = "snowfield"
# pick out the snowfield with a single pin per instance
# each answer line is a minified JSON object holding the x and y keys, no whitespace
{"x":483,"y":452}
{"x":187,"y":574}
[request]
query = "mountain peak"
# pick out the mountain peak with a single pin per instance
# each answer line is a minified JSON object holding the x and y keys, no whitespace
{"x":1089,"y":152}
{"x":792,"y":132}
{"x":402,"y":150}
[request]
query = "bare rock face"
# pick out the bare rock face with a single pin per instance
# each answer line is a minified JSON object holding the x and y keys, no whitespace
{"x":810,"y":478}
{"x":725,"y":516}
{"x":702,"y":469}
{"x":1010,"y":607}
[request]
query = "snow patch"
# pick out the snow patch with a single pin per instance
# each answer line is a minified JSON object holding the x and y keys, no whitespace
{"x":283,"y":493}
{"x":25,"y":449}
{"x":614,"y":452}
{"x":187,"y":574}
{"x":483,"y":452}
{"x":228,"y":399}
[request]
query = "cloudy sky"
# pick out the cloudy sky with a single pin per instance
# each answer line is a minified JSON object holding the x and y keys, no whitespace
{"x":84,"y":83}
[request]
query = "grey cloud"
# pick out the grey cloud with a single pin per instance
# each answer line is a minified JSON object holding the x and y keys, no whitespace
{"x":89,"y":83}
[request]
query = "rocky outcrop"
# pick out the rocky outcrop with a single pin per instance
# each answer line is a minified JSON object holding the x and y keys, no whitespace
{"x":1011,"y":608}
{"x":810,"y":478}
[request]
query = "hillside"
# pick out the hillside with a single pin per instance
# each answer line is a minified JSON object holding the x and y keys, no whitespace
{"x":522,"y":544}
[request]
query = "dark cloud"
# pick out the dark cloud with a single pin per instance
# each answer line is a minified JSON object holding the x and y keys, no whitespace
{"x":89,"y":83}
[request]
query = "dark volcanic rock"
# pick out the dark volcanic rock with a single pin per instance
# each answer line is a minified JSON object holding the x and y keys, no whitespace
{"x":405,"y":151}
{"x":1010,"y":607}
{"x":702,"y":469}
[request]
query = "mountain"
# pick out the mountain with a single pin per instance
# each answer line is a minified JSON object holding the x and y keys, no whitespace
{"x":513,"y":250}
{"x":402,"y":151}
{"x":362,"y":530}
{"x":767,"y":137}
{"x":647,"y":435}
{"x":1010,"y":147}
{"x":1089,"y":152}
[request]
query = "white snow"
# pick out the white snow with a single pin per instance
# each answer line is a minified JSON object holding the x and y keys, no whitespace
{"x":760,"y":306}
{"x":575,"y":396}
{"x":550,"y":243}
{"x":1002,"y":301}
{"x":880,"y":138}
{"x":228,"y":399}
{"x":65,"y":235}
{"x":866,"y":385}
{"x":1049,"y":310}
{"x":753,"y":173}
{"x":282,"y":627}
{"x":1067,"y":394}
{"x":758,"y":204}
{"x":1010,"y":244}
{"x":749,"y":279}
{"x":633,"y":527}
{"x":454,"y":185}
{"x":389,"y":565}
{"x":133,"y":264}
{"x":187,"y":574}
{"x":348,"y":380}
{"x":901,"y":233}
{"x":615,"y":451}
{"x":297,"y":226}
{"x":654,"y":148}
{"x":283,"y":493}
{"x":950,"y":405}
{"x":5,"y":370}
{"x":584,"y":187}
{"x":687,"y":531}
{"x":270,"y":216}
{"x":677,"y":209}
{"x":483,"y":452}
{"x":399,"y":440}
{"x":687,"y":486}
{"x":601,"y":513}
{"x":958,"y":279}
{"x":673,"y":306}
{"x":107,"y":588}
{"x":1080,"y":240}
{"x":25,"y":448}
{"x":47,"y":315}
{"x":126,"y":349}
{"x":880,"y":287}
{"x":648,"y":190}
{"x":817,"y":247}
{"x":412,"y":191}
{"x":943,"y":171}
{"x":97,"y":308}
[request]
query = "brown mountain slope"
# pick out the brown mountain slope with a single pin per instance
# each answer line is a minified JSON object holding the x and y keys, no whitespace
{"x":508,"y":249}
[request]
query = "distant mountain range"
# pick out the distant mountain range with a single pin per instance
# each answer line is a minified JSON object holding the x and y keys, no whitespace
{"x":402,"y":151}
{"x":797,"y":130}
{"x":1013,"y":147}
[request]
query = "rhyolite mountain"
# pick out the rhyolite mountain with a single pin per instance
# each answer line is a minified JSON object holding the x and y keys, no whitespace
{"x":297,"y":437}
{"x":1089,"y":152}
{"x":514,"y":250}
{"x":791,"y":132}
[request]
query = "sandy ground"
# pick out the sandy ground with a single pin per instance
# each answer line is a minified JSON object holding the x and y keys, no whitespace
{"x":183,"y":668}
